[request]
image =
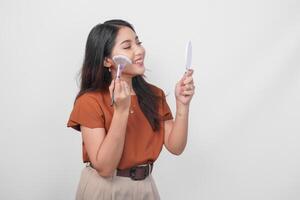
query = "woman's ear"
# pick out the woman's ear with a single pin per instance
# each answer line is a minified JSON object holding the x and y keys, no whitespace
{"x":107,"y":62}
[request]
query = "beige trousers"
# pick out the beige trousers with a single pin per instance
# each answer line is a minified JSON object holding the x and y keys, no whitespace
{"x":92,"y":186}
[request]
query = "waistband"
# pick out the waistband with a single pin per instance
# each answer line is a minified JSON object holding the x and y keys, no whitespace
{"x":136,"y":173}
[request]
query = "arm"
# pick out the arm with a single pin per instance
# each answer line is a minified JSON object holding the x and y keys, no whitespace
{"x":105,"y":150}
{"x":176,"y":131}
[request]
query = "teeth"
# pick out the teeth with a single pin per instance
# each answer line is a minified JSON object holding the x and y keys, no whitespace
{"x":138,"y":62}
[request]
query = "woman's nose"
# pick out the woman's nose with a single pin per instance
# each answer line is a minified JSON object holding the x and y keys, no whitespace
{"x":139,"y":50}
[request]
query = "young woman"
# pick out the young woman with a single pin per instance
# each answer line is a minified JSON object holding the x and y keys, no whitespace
{"x":121,"y":142}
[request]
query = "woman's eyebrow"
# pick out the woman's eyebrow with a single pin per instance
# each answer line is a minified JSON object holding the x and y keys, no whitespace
{"x":136,"y":38}
{"x":125,"y":41}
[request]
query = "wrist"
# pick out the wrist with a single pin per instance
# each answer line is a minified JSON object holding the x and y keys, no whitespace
{"x":181,"y":109}
{"x":180,"y":105}
{"x":122,"y":113}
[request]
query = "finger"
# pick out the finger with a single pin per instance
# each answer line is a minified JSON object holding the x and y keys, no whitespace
{"x":118,"y":87}
{"x":125,"y":88}
{"x":183,"y":79}
{"x":111,"y":85}
{"x":188,"y":93}
{"x":189,"y":87}
{"x":190,"y":72}
{"x":122,"y":86}
{"x":188,"y":80}
{"x":128,"y":89}
{"x":187,"y":76}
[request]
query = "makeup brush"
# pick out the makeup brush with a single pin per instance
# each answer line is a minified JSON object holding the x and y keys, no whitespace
{"x":121,"y":61}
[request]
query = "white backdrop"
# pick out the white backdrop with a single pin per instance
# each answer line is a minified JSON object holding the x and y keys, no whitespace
{"x":244,"y":123}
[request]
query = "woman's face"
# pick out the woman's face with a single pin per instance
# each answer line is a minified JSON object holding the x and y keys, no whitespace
{"x":127,"y":43}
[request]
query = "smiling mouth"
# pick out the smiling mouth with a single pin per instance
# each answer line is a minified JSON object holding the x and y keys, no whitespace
{"x":139,"y":62}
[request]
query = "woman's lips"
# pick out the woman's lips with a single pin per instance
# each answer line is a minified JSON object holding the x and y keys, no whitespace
{"x":139,"y":63}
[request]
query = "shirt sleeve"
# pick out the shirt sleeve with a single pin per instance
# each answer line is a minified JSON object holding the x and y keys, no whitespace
{"x":166,"y":111}
{"x":86,"y":112}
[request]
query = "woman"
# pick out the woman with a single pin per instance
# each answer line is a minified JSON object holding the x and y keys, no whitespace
{"x":121,"y":142}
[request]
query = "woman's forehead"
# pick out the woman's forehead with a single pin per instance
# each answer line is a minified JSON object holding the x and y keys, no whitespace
{"x":125,"y":34}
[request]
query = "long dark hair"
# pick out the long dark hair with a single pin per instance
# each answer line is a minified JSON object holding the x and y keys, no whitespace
{"x":95,"y":77}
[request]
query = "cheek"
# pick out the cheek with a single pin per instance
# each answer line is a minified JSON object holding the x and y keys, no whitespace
{"x":143,"y":51}
{"x":124,"y":53}
{"x":133,"y":69}
{"x":121,"y":51}
{"x":129,"y":68}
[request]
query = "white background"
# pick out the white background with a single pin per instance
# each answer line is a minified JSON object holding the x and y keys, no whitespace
{"x":244,"y":119}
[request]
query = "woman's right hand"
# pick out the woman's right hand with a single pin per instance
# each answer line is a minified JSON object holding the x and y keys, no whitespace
{"x":121,"y":95}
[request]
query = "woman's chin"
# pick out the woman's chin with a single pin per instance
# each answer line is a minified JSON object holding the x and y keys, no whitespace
{"x":140,"y":70}
{"x":133,"y":74}
{"x":139,"y":74}
{"x":135,"y":70}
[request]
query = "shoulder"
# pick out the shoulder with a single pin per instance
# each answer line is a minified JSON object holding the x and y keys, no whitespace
{"x":92,"y":100}
{"x":91,"y":97}
{"x":87,"y":111}
{"x":90,"y":103}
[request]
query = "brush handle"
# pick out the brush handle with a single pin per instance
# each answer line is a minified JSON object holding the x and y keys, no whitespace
{"x":113,"y":95}
{"x":119,"y":71}
{"x":113,"y":90}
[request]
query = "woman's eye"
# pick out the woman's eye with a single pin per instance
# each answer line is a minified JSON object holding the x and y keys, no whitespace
{"x":128,"y":47}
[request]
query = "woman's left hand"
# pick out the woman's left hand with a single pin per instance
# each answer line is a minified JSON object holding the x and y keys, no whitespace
{"x":185,"y":88}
